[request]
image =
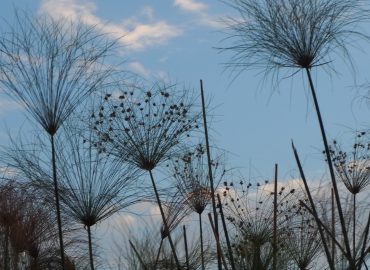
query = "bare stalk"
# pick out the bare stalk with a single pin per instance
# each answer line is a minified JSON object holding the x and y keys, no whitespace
{"x":226,"y":234}
{"x":201,"y":240}
{"x":330,"y":261}
{"x":361,"y":259}
{"x":354,"y":226}
{"x":275,"y":220}
{"x":186,"y":250}
{"x":325,"y":228}
{"x":332,"y":224}
{"x":210,"y":169}
{"x":57,"y":203}
{"x":159,"y":251}
{"x":165,"y":222}
{"x":217,"y":241}
{"x":138,"y":255}
{"x":90,"y":248}
{"x":331,"y":170}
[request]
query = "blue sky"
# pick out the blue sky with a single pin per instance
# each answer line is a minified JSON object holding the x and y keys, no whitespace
{"x":256,"y":123}
{"x":177,"y":39}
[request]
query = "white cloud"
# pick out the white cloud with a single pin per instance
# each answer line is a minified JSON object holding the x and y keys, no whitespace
{"x":6,"y":171}
{"x":136,"y":66}
{"x":163,"y":59}
{"x":148,"y":35}
{"x":190,"y":5}
{"x":208,"y":20}
{"x":198,"y":8}
{"x":136,"y":35}
{"x":147,"y":11}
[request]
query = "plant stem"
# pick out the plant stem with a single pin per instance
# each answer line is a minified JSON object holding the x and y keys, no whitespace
{"x":210,"y":170}
{"x":138,"y":255}
{"x":165,"y":222}
{"x":226,"y":233}
{"x":361,"y":259}
{"x":275,"y":220}
{"x":186,"y":250}
{"x":330,"y":261}
{"x":217,"y":241}
{"x":90,"y":248}
{"x":332,"y":224}
{"x":159,"y":251}
{"x":6,"y":248}
{"x":344,"y":254}
{"x":201,"y":240}
{"x":354,"y":226}
{"x":332,"y":175}
{"x":57,"y":203}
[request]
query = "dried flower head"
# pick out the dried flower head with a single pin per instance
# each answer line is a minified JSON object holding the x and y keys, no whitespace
{"x":352,"y":166}
{"x":250,"y":209}
{"x":175,"y":210}
{"x":190,"y":173}
{"x":147,"y":126}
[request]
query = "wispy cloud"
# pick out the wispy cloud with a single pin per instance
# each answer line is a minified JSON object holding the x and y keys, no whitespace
{"x":148,"y":12}
{"x":138,"y":67}
{"x":190,"y":5}
{"x":136,"y":35}
{"x":163,"y":59}
{"x":198,"y":9}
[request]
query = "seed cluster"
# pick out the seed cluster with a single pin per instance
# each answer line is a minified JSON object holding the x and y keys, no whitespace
{"x":142,"y":127}
{"x":191,"y":176}
{"x":353,"y":166}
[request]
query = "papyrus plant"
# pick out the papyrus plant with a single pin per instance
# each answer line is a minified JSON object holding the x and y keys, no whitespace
{"x":298,"y":35}
{"x":49,"y":66}
{"x":145,"y":125}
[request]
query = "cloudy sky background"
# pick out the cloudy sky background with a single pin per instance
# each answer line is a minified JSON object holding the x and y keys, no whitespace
{"x":178,"y":40}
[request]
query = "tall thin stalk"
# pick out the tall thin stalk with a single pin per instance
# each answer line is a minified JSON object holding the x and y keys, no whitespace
{"x":138,"y":256}
{"x":158,"y":253}
{"x":332,"y":225}
{"x":56,"y":191}
{"x":201,"y":240}
{"x":217,"y":241}
{"x":362,"y":257}
{"x":331,"y":170}
{"x":186,"y":250}
{"x":165,"y":221}
{"x":90,"y":248}
{"x":323,"y":239}
{"x":210,"y":170}
{"x":354,"y":227}
{"x":226,"y":234}
{"x":275,"y":219}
